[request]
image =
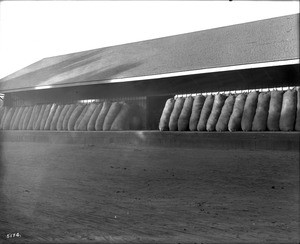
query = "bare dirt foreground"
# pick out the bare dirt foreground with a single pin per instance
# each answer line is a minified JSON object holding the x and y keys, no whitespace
{"x":86,"y":193}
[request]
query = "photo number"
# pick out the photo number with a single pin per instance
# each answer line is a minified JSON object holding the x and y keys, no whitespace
{"x":13,"y":235}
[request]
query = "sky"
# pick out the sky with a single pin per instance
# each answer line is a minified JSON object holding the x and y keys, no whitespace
{"x":32,"y":30}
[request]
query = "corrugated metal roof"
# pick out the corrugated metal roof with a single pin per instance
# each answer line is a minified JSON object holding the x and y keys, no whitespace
{"x":262,"y":41}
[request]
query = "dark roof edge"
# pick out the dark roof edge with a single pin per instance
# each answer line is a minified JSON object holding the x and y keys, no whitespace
{"x":167,"y":75}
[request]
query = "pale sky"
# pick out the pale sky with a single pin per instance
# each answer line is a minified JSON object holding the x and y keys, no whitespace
{"x":30,"y":31}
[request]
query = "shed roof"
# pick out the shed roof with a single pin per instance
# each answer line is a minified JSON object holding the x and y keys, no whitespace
{"x":262,"y":41}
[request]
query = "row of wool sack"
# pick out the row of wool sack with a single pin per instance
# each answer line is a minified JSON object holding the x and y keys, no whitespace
{"x":256,"y":111}
{"x":80,"y":117}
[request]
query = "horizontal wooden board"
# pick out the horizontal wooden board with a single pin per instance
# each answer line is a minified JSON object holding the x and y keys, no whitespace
{"x":282,"y":141}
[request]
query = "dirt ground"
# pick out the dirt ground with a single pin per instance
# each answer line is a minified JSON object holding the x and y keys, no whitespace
{"x":66,"y":193}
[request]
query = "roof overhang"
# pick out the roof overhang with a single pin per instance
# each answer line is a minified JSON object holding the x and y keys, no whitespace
{"x":266,"y":43}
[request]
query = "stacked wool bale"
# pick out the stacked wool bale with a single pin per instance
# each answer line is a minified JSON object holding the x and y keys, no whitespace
{"x":72,"y":117}
{"x":255,"y":111}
